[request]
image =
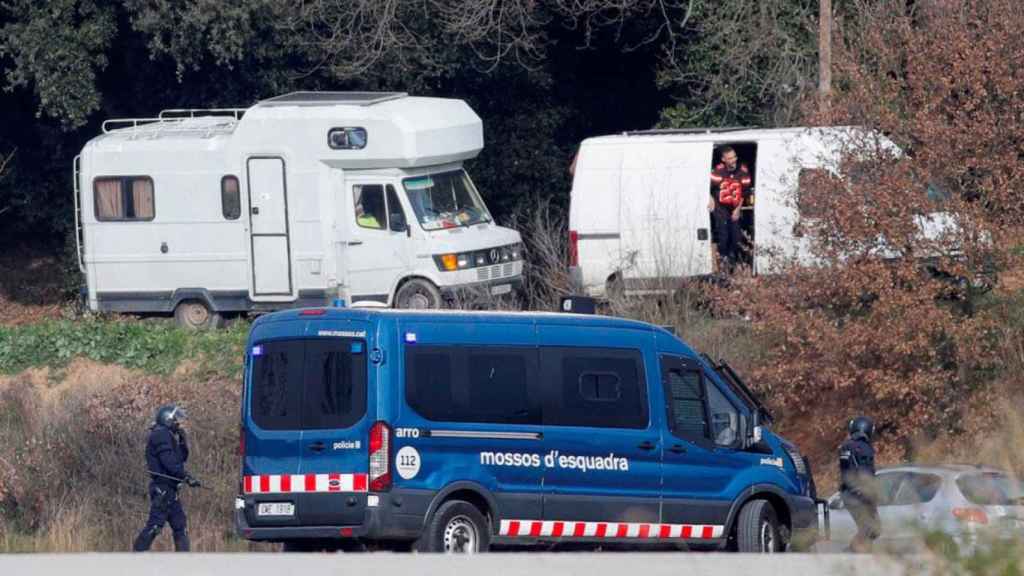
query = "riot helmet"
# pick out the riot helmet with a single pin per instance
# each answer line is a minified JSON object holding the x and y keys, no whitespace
{"x":171,"y":416}
{"x":862,"y":426}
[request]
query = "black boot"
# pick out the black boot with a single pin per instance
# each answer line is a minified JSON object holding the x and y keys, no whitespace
{"x":145,"y":538}
{"x":181,"y":542}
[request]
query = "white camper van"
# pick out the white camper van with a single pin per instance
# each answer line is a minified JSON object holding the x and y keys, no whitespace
{"x":296,"y":201}
{"x":639,"y":220}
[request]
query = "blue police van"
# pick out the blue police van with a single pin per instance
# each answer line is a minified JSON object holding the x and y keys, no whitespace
{"x":461,"y":431}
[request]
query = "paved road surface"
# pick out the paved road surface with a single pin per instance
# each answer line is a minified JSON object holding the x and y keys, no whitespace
{"x":530,"y":564}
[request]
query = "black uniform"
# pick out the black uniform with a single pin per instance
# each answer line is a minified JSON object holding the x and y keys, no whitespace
{"x":859,"y":489}
{"x":166,"y":454}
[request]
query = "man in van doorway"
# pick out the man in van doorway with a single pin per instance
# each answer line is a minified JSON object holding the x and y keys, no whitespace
{"x":729,"y":180}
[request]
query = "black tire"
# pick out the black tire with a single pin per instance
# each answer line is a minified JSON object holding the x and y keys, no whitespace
{"x":197,"y":315}
{"x":457,"y":527}
{"x":418,"y":294}
{"x":758,"y":530}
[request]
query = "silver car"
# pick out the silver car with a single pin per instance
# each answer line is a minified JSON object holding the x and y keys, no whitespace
{"x":962,"y":501}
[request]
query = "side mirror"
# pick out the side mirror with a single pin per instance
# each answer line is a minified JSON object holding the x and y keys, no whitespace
{"x":754,"y":441}
{"x":397,"y":223}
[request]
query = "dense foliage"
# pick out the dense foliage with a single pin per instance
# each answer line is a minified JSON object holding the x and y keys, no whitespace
{"x":542,"y":74}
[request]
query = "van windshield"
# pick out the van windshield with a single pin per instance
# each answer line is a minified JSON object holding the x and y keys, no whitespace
{"x":445,"y":200}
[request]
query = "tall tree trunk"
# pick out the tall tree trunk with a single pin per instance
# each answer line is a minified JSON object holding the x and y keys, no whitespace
{"x":824,"y":52}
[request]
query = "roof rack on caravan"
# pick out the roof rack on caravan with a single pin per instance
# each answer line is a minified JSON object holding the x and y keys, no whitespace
{"x":660,"y":131}
{"x":171,"y":113}
{"x":158,"y":126}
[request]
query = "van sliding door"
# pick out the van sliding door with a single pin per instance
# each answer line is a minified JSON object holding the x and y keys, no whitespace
{"x":268,"y":221}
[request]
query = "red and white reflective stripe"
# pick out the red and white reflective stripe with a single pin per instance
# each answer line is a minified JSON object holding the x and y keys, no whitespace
{"x":304,"y":483}
{"x":562,"y":529}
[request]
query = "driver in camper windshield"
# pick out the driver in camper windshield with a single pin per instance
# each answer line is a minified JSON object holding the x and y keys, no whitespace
{"x":446,"y":200}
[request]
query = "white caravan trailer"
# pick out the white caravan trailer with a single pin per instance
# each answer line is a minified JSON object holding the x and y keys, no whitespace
{"x":639,"y":220}
{"x":296,"y":201}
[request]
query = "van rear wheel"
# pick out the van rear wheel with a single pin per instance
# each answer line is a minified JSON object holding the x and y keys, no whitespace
{"x":418,"y":294}
{"x":758,"y":530}
{"x":196,"y":315}
{"x":457,"y":527}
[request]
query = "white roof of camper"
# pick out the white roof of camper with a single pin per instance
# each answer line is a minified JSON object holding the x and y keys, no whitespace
{"x":402,"y":131}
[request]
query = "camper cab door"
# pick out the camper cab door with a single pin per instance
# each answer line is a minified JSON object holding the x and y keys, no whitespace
{"x":664,"y":213}
{"x":375,"y":236}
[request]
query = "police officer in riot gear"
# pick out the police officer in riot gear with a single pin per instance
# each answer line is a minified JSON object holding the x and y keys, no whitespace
{"x":858,"y":485}
{"x":166,"y":454}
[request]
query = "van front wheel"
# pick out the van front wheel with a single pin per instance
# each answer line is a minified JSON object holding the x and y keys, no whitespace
{"x":757,"y":529}
{"x":457,"y":527}
{"x":418,"y":294}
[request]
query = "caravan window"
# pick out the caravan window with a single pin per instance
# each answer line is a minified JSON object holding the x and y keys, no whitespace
{"x":230,"y":199}
{"x":371,"y":212}
{"x":123,"y":198}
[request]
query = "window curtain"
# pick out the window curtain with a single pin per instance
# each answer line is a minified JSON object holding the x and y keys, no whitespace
{"x":109,"y":201}
{"x":142,"y":198}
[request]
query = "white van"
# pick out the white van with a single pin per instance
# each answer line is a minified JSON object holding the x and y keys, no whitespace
{"x":299,"y":200}
{"x":639,"y":220}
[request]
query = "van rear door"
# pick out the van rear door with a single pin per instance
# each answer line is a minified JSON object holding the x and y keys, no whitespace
{"x":306,"y":459}
{"x":335,"y":432}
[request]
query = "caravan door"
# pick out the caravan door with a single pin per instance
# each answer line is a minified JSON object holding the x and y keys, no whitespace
{"x":665,"y":222}
{"x":268,"y":224}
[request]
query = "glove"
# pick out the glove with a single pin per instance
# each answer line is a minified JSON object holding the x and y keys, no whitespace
{"x":192,"y":482}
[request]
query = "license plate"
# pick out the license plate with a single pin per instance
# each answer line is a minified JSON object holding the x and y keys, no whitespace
{"x":275,"y":509}
{"x":502,"y":289}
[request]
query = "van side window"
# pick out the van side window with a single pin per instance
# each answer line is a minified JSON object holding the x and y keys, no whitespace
{"x":471,"y":384}
{"x":686,"y":403}
{"x":371,"y":211}
{"x":123,"y":198}
{"x":725,"y":418}
{"x":395,"y":212}
{"x":230,"y":198}
{"x":600,"y":387}
{"x":597,"y":387}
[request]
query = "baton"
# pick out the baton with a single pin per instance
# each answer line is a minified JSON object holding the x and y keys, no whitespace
{"x":176,"y":479}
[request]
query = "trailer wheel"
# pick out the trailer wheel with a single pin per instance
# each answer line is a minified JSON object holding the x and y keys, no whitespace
{"x":457,"y":527}
{"x":757,"y":529}
{"x":196,"y":315}
{"x":418,"y":294}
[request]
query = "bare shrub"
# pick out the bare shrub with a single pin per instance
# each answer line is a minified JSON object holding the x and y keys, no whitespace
{"x":75,"y":441}
{"x":545,"y":231}
{"x":885,"y":322}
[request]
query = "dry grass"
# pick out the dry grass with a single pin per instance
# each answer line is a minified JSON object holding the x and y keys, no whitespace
{"x":72,"y":472}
